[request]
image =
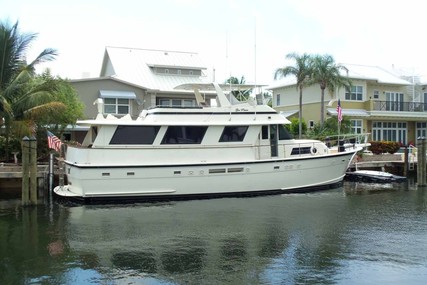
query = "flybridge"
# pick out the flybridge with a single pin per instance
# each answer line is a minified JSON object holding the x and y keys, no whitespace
{"x":223,"y":100}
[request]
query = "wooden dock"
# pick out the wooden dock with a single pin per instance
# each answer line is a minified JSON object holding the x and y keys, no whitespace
{"x":394,"y":162}
{"x":11,"y":175}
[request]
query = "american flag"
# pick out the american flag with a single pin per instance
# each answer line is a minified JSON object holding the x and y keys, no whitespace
{"x":339,"y":111}
{"x":53,"y":141}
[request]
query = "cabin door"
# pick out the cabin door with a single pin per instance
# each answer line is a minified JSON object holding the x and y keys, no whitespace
{"x":268,"y":145}
{"x":273,"y":140}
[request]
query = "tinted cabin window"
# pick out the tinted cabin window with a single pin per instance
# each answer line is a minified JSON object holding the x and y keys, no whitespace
{"x":134,"y":135}
{"x":283,"y":133}
{"x":184,"y":135}
{"x":264,"y":132}
{"x":233,"y":134}
{"x":301,"y":150}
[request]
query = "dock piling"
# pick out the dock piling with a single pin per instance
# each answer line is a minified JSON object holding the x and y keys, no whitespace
{"x":29,"y":171}
{"x":421,"y":158}
{"x":25,"y":171}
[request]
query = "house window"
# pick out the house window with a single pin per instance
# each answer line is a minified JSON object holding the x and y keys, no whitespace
{"x":177,"y":102}
{"x":278,"y":100}
{"x":389,"y":131}
{"x":376,"y":94}
{"x":355,"y":93}
{"x":116,"y":106}
{"x":356,"y":126}
{"x":421,"y":130}
{"x":423,"y":104}
{"x":394,"y":101}
{"x":188,"y":103}
{"x":311,"y":124}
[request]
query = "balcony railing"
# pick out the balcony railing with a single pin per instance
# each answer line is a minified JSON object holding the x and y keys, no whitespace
{"x":400,"y":106}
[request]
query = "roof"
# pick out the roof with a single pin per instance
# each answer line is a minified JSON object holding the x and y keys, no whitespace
{"x":376,"y":73}
{"x":358,"y":72}
{"x":135,"y":66}
{"x":287,"y":114}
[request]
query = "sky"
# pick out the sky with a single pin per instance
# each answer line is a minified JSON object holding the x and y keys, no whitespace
{"x":249,"y":38}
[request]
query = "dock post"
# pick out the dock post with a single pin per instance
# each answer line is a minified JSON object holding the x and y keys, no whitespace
{"x":406,"y":162}
{"x":25,"y":171}
{"x":421,"y":159}
{"x":33,"y":170}
{"x":51,"y":172}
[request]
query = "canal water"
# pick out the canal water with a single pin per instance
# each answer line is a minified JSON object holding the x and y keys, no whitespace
{"x":355,"y":234}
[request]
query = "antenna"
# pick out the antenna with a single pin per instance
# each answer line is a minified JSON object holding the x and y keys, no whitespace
{"x":255,"y":88}
{"x":255,"y":55}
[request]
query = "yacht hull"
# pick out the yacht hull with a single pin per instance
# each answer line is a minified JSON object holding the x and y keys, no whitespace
{"x":203,"y":180}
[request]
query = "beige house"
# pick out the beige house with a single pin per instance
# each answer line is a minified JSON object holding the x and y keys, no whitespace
{"x":135,"y":79}
{"x":380,"y":103}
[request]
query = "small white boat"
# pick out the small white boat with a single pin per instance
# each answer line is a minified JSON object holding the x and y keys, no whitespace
{"x":229,"y":148}
{"x":373,"y":176}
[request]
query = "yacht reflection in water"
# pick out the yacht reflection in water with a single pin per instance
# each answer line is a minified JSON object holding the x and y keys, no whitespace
{"x":221,"y":240}
{"x":342,"y":236}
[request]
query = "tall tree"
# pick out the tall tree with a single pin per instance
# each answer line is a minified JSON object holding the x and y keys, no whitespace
{"x":19,"y":93}
{"x":301,"y":70}
{"x":328,"y":74}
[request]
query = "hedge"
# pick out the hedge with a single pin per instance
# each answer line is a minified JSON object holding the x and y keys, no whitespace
{"x":379,"y":147}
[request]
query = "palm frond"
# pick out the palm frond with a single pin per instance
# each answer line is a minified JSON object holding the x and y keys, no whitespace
{"x":39,"y":111}
{"x":45,"y":56}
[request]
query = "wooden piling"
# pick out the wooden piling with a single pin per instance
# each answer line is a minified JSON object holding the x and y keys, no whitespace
{"x":421,"y":159}
{"x":25,"y":171}
{"x":33,"y":171}
{"x":29,"y":171}
{"x":406,"y":162}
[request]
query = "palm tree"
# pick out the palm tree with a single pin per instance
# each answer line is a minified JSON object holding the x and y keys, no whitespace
{"x":328,"y":74}
{"x":302,"y":72}
{"x":20,"y":94}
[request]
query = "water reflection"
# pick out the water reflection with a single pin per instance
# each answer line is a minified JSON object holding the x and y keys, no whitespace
{"x":338,"y":236}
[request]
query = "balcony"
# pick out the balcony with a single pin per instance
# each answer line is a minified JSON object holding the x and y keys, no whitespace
{"x":399,"y":106}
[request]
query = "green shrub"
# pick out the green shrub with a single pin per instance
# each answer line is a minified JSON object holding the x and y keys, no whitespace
{"x":14,"y":146}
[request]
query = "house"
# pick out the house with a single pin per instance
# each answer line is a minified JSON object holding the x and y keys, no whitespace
{"x":134,"y":79}
{"x":388,"y":107}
